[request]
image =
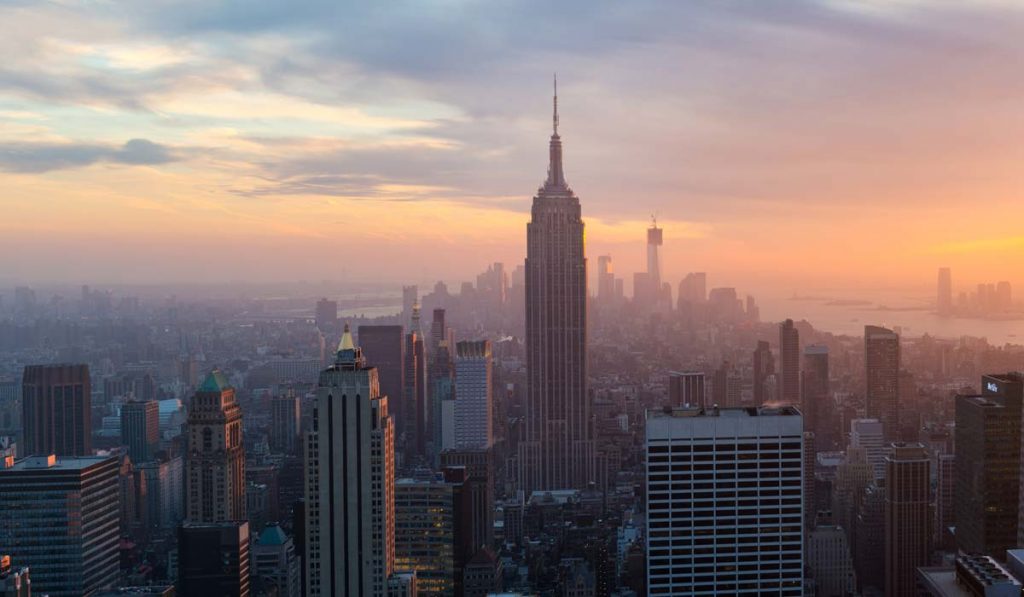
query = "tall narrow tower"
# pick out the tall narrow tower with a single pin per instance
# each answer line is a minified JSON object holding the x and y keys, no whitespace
{"x":558,"y":450}
{"x":215,"y":479}
{"x":350,"y":481}
{"x":654,"y":242}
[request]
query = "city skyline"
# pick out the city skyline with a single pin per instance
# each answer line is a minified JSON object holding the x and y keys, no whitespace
{"x":153,"y":130}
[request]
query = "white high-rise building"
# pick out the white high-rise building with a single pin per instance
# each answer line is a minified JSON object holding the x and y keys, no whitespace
{"x":724,"y":501}
{"x":350,"y":481}
{"x":868,"y":434}
{"x":473,"y":401}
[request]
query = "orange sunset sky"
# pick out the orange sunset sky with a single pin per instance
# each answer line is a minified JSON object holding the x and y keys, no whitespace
{"x":789,"y":145}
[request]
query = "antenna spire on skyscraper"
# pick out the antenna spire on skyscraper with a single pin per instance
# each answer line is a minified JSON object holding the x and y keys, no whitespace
{"x":555,"y":115}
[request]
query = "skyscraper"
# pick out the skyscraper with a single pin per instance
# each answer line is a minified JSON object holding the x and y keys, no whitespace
{"x":815,"y":395}
{"x":384,"y":349}
{"x":215,"y":464}
{"x":987,"y":465}
{"x":326,"y":314}
{"x":414,"y":427}
{"x":557,"y":451}
{"x":60,"y":517}
{"x":140,"y":429}
{"x":432,"y":531}
{"x":350,"y":471}
{"x":711,"y":532}
{"x":285,"y":421}
{"x":867,"y":434}
{"x":764,"y":366}
{"x":789,"y":363}
{"x":479,"y":465}
{"x":882,"y":363}
{"x":410,"y":297}
{"x":654,"y":242}
{"x":605,"y":279}
{"x":907,"y":517}
{"x":56,"y":410}
{"x":473,"y":404}
{"x":214,"y":559}
{"x":944,"y":299}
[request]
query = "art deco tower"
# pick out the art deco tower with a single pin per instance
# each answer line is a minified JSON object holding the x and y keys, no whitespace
{"x":557,"y":452}
{"x":215,"y":481}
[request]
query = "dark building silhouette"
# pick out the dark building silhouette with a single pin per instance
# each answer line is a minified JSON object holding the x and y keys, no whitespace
{"x":789,"y":363}
{"x":987,"y":466}
{"x":56,"y":410}
{"x":479,"y":466}
{"x":764,"y":367}
{"x":140,"y":429}
{"x":882,"y":372}
{"x":326,"y":314}
{"x":908,"y":517}
{"x":213,"y":559}
{"x":815,"y":396}
{"x":414,"y":425}
{"x":558,"y":450}
{"x":384,"y":348}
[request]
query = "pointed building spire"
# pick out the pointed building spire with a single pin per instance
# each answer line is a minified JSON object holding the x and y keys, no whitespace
{"x":346,"y":340}
{"x":554,"y":119}
{"x":556,"y":178}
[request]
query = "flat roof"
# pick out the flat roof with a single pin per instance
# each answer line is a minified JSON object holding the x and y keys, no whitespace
{"x":64,"y":463}
{"x":684,"y":412}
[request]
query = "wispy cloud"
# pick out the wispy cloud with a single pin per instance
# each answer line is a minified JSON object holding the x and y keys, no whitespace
{"x":43,"y":157}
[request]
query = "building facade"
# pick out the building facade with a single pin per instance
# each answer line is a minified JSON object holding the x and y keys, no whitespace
{"x":214,"y":559}
{"x":140,"y":429}
{"x":789,"y":363}
{"x":908,"y":517}
{"x":882,"y":372}
{"x":349,"y":492}
{"x":474,"y":405}
{"x":215,"y":464}
{"x":558,"y":450}
{"x":62,"y":519}
{"x":724,"y":503}
{"x":56,"y":407}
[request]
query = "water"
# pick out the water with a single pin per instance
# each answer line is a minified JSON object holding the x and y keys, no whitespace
{"x":848,"y":312}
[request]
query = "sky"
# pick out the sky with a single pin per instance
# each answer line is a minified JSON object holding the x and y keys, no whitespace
{"x":788,"y":144}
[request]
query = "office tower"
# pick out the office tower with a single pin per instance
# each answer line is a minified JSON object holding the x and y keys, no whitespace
{"x":830,"y":562}
{"x":479,"y":465}
{"x":988,"y":442}
{"x":605,"y":279}
{"x":764,"y":366}
{"x":213,"y":559}
{"x":473,"y":404}
{"x":726,"y":535}
{"x":686,"y":388}
{"x":869,"y":537}
{"x":816,"y":396}
{"x":431,"y":531}
{"x":727,"y":388}
{"x":350,"y":471}
{"x":693,"y":288}
{"x":275,"y":563}
{"x":868,"y":435}
{"x":415,"y":426}
{"x":810,"y":456}
{"x":410,"y":297}
{"x":789,"y":363}
{"x":882,"y":363}
{"x":15,"y":581}
{"x":944,"y":300}
{"x":558,"y":450}
{"x":853,"y":475}
{"x":442,"y":399}
{"x":285,"y":422}
{"x":215,"y":464}
{"x":56,"y":410}
{"x":326,"y":314}
{"x":384,"y":348}
{"x":164,"y":480}
{"x":61,"y":518}
{"x":140,"y":429}
{"x":482,"y":574}
{"x":908,"y":517}
{"x":945,"y":487}
{"x":654,"y":241}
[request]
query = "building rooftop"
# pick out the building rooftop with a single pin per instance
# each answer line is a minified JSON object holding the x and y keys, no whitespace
{"x":215,"y":382}
{"x":683,"y":412}
{"x":64,"y":463}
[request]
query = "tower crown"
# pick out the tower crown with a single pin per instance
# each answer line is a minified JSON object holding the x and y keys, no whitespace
{"x":556,"y":176}
{"x":349,"y":355}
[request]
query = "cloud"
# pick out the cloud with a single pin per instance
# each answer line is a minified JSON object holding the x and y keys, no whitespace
{"x":44,"y":157}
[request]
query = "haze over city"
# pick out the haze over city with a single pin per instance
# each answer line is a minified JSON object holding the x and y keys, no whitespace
{"x":788,"y":146}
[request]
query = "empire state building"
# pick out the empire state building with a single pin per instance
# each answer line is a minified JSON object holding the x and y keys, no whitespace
{"x":558,"y":450}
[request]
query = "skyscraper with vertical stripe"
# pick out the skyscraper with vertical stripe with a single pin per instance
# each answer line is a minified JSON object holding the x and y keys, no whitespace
{"x":558,"y":450}
{"x":350,"y":481}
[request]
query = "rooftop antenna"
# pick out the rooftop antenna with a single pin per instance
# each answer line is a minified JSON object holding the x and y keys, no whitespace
{"x":555,"y":116}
